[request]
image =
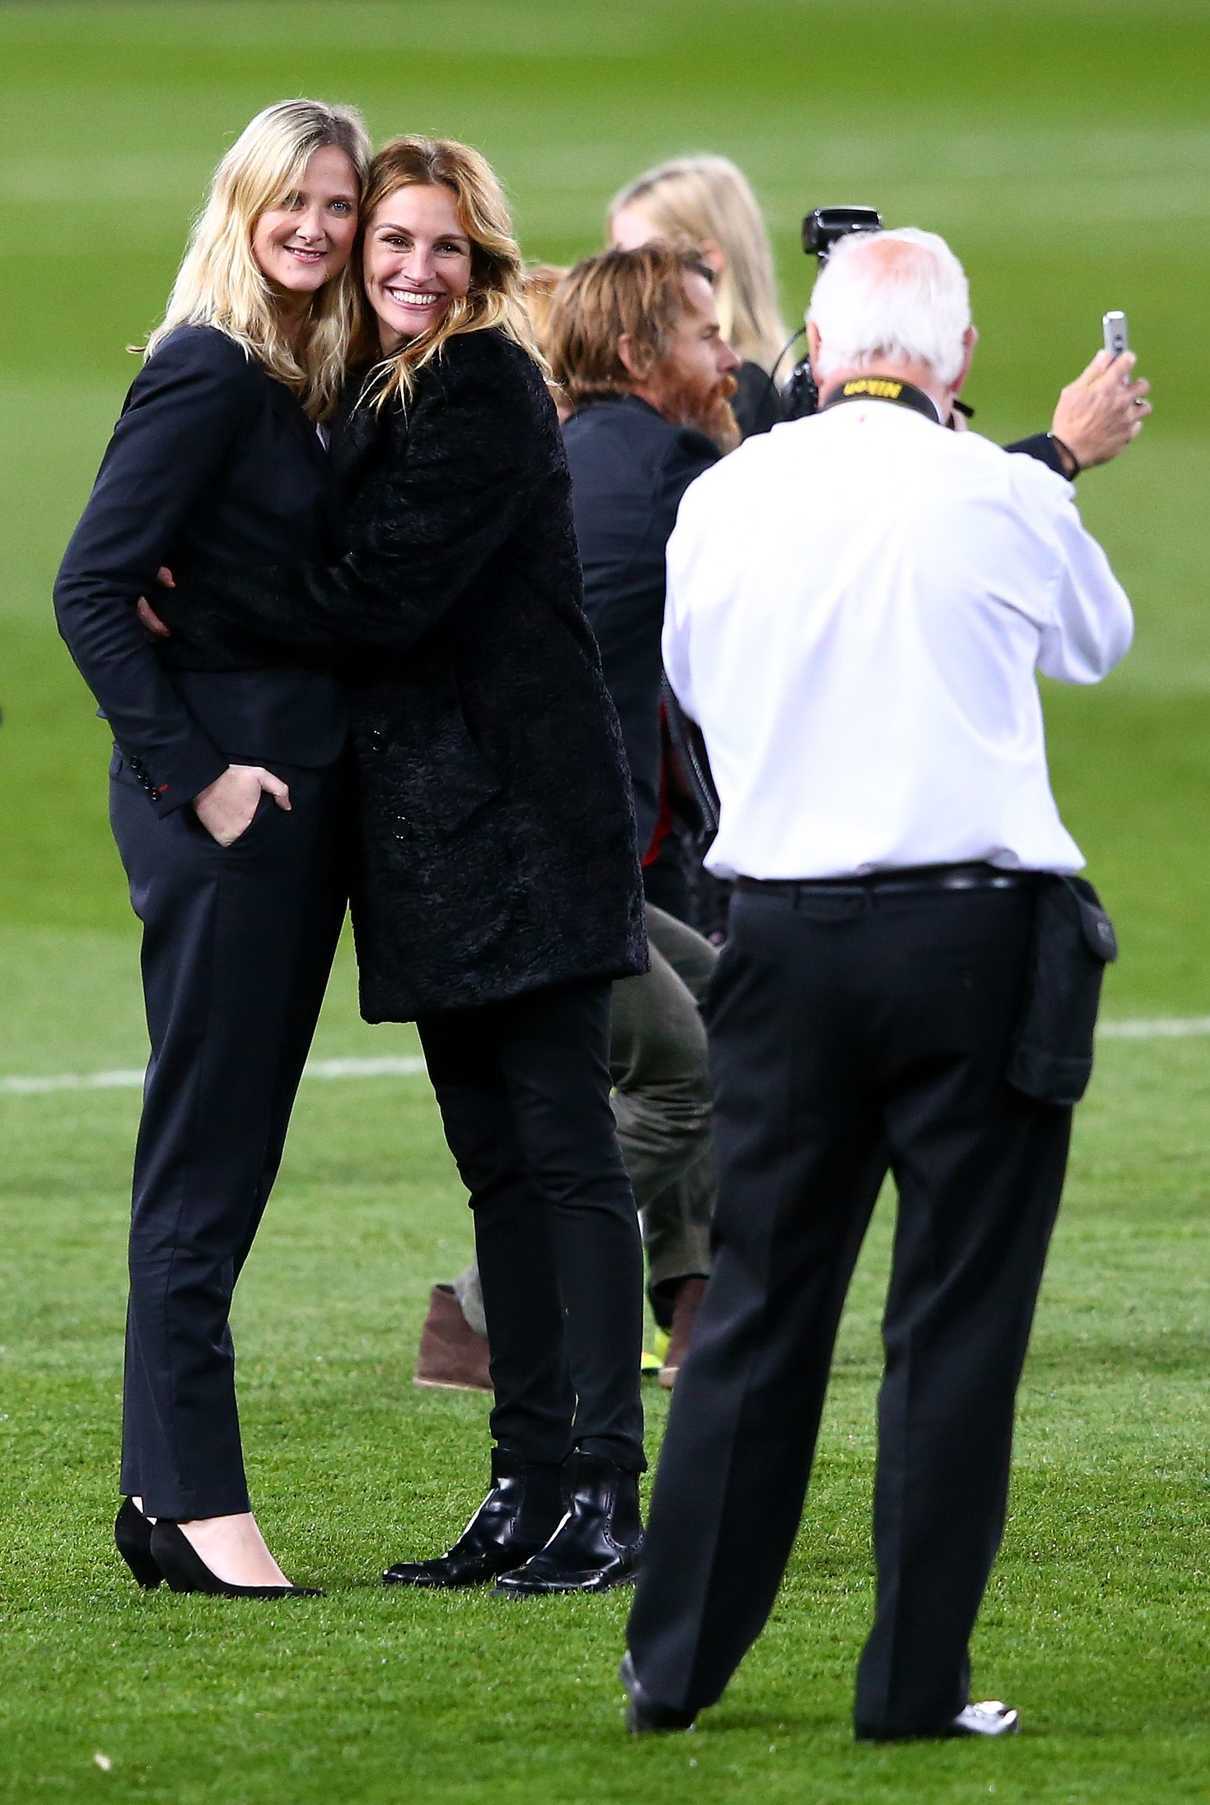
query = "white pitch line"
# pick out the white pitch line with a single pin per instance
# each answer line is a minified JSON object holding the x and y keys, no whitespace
{"x":1172,"y":1027}
{"x":412,"y":1066}
{"x":408,"y":1066}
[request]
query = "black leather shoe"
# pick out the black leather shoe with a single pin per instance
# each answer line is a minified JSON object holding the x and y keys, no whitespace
{"x":642,"y":1712}
{"x":186,"y":1571}
{"x":515,"y":1520}
{"x":132,"y":1537}
{"x":599,"y":1541}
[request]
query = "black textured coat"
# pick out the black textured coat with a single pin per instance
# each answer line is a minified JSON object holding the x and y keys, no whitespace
{"x":496,"y":839}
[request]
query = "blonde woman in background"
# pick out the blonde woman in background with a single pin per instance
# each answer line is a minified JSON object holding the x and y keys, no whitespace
{"x":225,"y":799}
{"x":705,"y":203}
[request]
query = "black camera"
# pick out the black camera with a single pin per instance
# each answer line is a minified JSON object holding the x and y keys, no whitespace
{"x":821,"y":229}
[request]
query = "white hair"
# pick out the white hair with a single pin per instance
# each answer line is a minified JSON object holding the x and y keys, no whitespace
{"x":897,"y":297}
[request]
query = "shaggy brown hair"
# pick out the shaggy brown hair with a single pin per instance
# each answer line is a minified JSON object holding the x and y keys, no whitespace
{"x":640,"y":293}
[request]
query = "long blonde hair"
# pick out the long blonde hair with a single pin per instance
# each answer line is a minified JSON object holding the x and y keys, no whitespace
{"x":692,"y":200}
{"x":496,"y":296}
{"x":219,"y":282}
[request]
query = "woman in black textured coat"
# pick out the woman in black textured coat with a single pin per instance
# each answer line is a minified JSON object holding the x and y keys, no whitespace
{"x":497,"y":847}
{"x":497,"y":891}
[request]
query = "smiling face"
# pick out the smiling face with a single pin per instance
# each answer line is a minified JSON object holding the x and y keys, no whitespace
{"x":308,"y":237}
{"x":417,"y":260}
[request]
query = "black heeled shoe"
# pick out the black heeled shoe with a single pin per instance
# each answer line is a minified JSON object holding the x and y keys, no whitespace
{"x":132,"y":1537}
{"x":515,"y":1520}
{"x":185,"y":1570}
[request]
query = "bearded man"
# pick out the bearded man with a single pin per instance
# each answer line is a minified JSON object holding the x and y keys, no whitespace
{"x":634,"y":344}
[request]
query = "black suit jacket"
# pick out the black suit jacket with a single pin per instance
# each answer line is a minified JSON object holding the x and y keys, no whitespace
{"x":629,"y":470}
{"x":210,"y":455}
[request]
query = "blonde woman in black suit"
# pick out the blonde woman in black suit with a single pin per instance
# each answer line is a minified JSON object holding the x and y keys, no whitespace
{"x":224,"y":800}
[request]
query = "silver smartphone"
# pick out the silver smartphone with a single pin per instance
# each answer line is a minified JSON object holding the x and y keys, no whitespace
{"x":1117,"y":338}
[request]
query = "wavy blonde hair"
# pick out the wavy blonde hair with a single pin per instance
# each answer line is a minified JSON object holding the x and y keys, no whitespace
{"x":220,"y":283}
{"x":497,"y":293}
{"x":693,"y":200}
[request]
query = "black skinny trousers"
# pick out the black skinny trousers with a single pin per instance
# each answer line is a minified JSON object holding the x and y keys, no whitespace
{"x":853,"y":1034}
{"x":237,"y":947}
{"x":523,"y":1088}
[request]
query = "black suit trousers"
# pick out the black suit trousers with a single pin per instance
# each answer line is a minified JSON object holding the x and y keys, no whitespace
{"x":855,"y":1032}
{"x":237,"y":947}
{"x":523,"y":1089}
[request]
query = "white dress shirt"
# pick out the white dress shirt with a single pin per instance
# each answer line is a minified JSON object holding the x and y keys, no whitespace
{"x":857,"y":606}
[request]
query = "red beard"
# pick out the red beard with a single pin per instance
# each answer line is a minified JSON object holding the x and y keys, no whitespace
{"x":706,"y":406}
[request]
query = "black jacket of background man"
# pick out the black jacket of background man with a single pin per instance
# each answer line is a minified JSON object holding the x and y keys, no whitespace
{"x":629,"y":470}
{"x":496,"y":844}
{"x":210,"y":456}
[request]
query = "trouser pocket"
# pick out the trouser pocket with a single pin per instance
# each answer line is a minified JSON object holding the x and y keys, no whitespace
{"x":1073,"y":941}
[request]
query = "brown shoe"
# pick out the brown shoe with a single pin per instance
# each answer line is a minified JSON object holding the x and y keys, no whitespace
{"x":452,"y":1356}
{"x":684,"y":1315}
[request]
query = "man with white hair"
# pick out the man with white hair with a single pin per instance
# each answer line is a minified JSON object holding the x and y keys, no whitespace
{"x":858,"y":604}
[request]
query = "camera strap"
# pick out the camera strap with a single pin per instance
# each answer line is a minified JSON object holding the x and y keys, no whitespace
{"x":883,"y":388}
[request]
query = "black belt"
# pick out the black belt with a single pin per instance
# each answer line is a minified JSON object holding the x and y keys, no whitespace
{"x":907,"y":880}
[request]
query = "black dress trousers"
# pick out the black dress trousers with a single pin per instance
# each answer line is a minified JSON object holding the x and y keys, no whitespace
{"x":523,"y":1089}
{"x":856,"y":1031}
{"x":237,"y":947}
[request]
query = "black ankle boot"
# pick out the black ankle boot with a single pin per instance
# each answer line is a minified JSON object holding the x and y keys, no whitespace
{"x":599,"y":1541}
{"x":518,"y":1516}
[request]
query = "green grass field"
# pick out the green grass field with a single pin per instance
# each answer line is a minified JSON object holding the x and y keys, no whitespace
{"x":1063,"y":147}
